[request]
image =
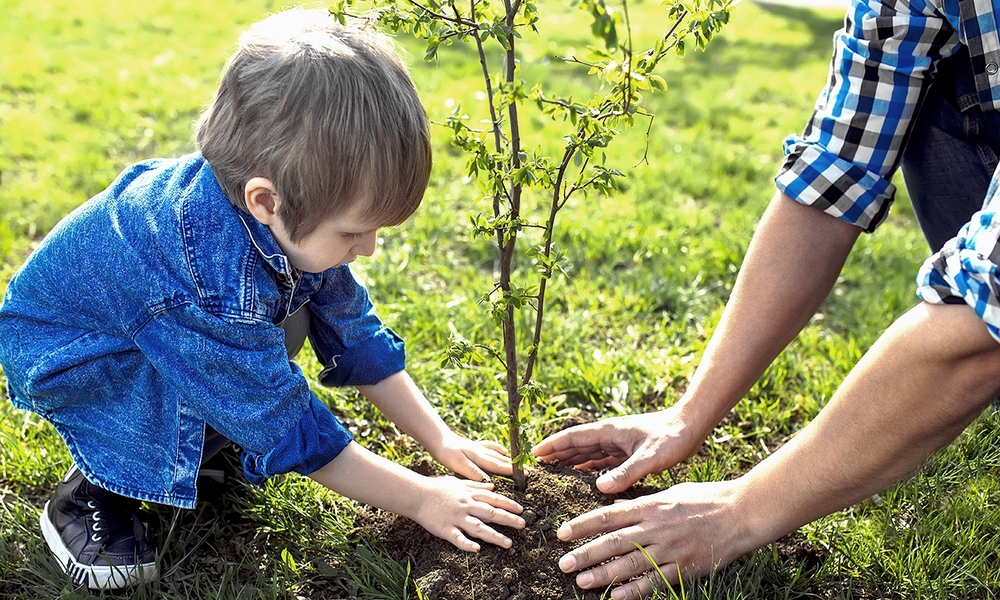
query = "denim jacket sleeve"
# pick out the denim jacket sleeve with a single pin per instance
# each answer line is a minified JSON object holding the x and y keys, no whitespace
{"x":349,"y":339}
{"x":236,"y":376}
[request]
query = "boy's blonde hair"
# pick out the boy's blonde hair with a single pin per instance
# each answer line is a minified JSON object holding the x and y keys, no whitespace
{"x":328,"y":113}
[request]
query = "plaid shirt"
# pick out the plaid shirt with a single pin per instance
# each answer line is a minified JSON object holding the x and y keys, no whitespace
{"x":965,"y":270}
{"x":882,"y":64}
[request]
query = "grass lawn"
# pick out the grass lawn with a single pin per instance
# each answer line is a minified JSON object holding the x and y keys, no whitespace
{"x":89,"y":87}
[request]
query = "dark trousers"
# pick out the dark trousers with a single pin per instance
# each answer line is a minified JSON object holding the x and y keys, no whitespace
{"x":951,"y":153}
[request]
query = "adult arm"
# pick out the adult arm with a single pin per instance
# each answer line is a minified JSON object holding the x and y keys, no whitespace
{"x":917,"y":388}
{"x":792,"y":263}
{"x":843,"y":164}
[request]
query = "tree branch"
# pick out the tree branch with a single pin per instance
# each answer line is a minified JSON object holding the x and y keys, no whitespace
{"x":457,"y":19}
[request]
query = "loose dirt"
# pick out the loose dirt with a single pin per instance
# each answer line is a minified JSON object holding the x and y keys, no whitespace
{"x":528,"y":570}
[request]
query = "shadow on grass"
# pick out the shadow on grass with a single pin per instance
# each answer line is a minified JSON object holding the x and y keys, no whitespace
{"x":820,"y":24}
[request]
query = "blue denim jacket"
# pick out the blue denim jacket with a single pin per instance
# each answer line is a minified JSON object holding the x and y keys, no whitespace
{"x":153,"y":309}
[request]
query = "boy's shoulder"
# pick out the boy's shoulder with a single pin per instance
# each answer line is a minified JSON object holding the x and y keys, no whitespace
{"x":178,"y":222}
{"x":144,"y":181}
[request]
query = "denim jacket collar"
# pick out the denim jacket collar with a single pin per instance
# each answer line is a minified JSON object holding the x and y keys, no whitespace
{"x":261,"y":238}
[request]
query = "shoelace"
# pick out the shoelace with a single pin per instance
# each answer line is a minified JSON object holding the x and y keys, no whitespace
{"x":95,"y":516}
{"x":106,"y":524}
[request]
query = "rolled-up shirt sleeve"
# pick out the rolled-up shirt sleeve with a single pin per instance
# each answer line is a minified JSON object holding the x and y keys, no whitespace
{"x":349,"y":339}
{"x":844,"y":160}
{"x":316,"y":439}
{"x":236,"y":376}
{"x":965,"y":270}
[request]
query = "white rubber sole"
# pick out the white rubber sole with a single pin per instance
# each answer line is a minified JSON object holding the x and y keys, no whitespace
{"x":95,"y":577}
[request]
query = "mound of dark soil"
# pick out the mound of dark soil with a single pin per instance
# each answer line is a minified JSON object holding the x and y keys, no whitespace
{"x":527,"y":571}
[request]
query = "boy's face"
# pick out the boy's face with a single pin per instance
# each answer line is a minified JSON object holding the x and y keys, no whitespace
{"x":336,"y":241}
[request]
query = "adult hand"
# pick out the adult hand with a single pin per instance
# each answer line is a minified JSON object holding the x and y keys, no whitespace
{"x":689,"y":529}
{"x":630,"y":447}
{"x":456,"y":510}
{"x":472,"y":459}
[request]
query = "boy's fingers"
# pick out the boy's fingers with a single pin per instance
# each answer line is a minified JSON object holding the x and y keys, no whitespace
{"x":496,"y":463}
{"x":494,"y":446}
{"x":498,"y":458}
{"x":502,"y":467}
{"x":455,"y":536}
{"x":481,"y":485}
{"x":487,"y":450}
{"x":500,"y":501}
{"x":477,"y":474}
{"x":500,"y":513}
{"x":479,"y":530}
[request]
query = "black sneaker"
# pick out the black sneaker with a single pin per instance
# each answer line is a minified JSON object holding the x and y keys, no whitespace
{"x":97,"y":535}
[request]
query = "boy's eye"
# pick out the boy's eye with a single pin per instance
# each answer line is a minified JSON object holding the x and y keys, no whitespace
{"x":355,"y":236}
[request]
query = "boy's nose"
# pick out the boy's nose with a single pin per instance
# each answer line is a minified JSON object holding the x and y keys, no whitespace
{"x":366,"y":245}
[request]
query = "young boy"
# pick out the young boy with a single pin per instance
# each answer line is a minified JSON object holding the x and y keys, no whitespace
{"x":160,"y":316}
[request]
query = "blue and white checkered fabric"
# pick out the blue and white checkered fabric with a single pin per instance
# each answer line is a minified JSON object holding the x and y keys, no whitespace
{"x":884,"y":58}
{"x":965,"y":269}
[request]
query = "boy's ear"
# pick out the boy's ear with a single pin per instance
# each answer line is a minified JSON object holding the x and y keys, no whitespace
{"x":262,"y":200}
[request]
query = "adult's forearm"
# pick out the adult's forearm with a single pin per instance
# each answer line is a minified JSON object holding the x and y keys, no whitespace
{"x":790,"y":267}
{"x":917,"y":388}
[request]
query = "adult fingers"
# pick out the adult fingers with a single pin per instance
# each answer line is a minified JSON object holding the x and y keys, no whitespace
{"x":622,"y":568}
{"x":583,"y":454}
{"x":643,"y":587}
{"x":650,"y":456}
{"x":621,"y":476}
{"x":568,"y":440}
{"x":619,"y":543}
{"x":601,"y":520}
{"x":595,"y":462}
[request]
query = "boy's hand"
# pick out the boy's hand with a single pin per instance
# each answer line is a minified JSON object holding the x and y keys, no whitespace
{"x":448,"y":507}
{"x":455,"y":510}
{"x":405,"y":405}
{"x":472,"y":459}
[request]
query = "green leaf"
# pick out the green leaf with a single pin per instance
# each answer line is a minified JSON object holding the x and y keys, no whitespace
{"x":658,"y":83}
{"x":289,"y":561}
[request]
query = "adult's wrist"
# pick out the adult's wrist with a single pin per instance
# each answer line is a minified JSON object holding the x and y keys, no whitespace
{"x":756,"y":516}
{"x":698,"y":419}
